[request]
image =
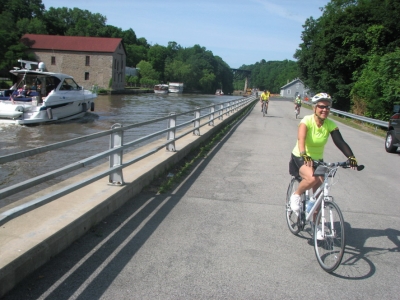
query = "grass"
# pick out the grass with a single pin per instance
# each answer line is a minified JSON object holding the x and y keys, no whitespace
{"x":370,"y":128}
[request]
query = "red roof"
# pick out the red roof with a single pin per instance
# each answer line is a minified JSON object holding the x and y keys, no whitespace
{"x":71,"y":43}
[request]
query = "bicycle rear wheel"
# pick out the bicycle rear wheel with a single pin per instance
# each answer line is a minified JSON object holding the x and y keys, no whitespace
{"x":329,"y":249}
{"x":292,"y":219}
{"x":264,"y":109}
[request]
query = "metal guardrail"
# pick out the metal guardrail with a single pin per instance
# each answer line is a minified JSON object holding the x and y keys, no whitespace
{"x":114,"y":153}
{"x":376,"y":122}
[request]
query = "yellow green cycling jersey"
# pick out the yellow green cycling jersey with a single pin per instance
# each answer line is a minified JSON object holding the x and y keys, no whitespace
{"x":265,"y":96}
{"x":316,"y":137}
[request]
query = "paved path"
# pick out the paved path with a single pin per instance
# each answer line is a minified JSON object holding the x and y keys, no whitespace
{"x":222,"y":233}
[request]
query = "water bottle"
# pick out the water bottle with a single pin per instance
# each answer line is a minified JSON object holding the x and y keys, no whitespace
{"x":310,"y":204}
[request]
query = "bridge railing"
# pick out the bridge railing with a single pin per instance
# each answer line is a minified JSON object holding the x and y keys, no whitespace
{"x":203,"y":116}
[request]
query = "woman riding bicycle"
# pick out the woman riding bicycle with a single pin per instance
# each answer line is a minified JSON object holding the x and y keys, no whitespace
{"x":313,"y":133}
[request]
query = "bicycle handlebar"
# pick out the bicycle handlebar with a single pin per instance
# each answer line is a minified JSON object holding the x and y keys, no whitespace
{"x":343,"y":164}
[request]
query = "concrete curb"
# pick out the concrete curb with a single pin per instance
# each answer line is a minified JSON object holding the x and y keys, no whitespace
{"x":30,"y":240}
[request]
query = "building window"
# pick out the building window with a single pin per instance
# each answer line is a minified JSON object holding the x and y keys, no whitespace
{"x":87,"y":62}
{"x":86,"y":75}
{"x":53,"y":60}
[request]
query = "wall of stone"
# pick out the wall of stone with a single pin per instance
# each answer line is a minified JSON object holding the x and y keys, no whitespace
{"x":101,"y":68}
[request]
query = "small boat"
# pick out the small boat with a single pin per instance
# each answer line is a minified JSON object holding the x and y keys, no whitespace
{"x":161,"y":89}
{"x":219,"y":92}
{"x":175,"y":87}
{"x":40,"y":97}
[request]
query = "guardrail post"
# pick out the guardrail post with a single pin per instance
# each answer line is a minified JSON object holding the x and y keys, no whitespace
{"x":116,"y":140}
{"x":228,"y":109}
{"x":211,"y":118}
{"x":171,"y":132}
{"x":196,"y":122}
{"x":221,"y":112}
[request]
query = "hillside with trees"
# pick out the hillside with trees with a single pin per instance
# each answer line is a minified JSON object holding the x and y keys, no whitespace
{"x":352,"y":52}
{"x":270,"y":75}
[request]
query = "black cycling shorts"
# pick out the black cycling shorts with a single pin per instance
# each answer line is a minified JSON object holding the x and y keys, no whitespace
{"x":295,"y":163}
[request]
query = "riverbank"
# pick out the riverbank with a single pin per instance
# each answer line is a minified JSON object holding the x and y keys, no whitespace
{"x":131,"y":91}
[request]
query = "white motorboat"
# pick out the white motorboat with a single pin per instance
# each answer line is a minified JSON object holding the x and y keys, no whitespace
{"x":175,"y":87}
{"x":40,"y":97}
{"x":161,"y":89}
{"x":219,"y":92}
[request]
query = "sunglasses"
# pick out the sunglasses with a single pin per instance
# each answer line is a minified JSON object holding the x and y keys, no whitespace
{"x":324,"y":107}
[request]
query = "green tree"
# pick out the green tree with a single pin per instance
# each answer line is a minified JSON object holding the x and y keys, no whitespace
{"x":271,"y":75}
{"x":148,"y":76}
{"x":21,"y":9}
{"x":57,"y":20}
{"x":177,"y":71}
{"x":157,"y":55}
{"x":134,"y":54}
{"x":129,"y":37}
{"x":12,"y":11}
{"x":378,"y":87}
{"x":143,"y":42}
{"x":338,"y":45}
{"x":34,"y":25}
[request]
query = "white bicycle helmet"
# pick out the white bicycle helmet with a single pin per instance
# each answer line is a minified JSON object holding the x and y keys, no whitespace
{"x":321,"y":97}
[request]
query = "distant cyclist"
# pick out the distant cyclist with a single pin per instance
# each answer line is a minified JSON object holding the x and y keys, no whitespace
{"x":297,"y":103}
{"x":264,"y":97}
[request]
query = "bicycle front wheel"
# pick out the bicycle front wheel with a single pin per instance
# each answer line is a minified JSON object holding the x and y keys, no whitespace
{"x":329,"y":243}
{"x":292,"y":219}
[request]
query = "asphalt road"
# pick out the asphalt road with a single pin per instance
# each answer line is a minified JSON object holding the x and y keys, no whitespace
{"x":222,"y":233}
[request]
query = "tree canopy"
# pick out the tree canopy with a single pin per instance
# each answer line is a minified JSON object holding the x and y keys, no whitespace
{"x":351,"y":52}
{"x":270,"y":75}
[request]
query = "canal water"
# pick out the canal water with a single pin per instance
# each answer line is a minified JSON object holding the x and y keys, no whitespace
{"x":109,"y":110}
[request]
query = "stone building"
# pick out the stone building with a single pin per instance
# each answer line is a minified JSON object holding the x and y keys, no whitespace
{"x":90,"y":60}
{"x":294,"y":88}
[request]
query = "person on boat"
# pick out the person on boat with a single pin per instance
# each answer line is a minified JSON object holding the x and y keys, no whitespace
{"x":28,"y":92}
{"x":21,"y":92}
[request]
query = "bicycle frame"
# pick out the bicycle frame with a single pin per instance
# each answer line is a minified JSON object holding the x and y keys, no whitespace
{"x":323,"y":195}
{"x":328,"y":232}
{"x":264,"y":108}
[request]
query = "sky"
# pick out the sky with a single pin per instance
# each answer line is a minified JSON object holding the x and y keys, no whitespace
{"x":241,"y":32}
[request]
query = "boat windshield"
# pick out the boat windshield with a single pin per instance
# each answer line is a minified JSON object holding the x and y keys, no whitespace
{"x":69,"y":84}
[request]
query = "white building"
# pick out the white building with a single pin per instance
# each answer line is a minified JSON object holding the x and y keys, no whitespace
{"x":294,"y":88}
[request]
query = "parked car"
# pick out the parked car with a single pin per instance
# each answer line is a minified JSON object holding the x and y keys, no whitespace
{"x":392,"y":141}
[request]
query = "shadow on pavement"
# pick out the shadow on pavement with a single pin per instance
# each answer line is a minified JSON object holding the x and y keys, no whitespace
{"x":89,"y":266}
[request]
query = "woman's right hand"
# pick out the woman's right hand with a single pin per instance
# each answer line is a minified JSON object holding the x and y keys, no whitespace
{"x":307,"y":160}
